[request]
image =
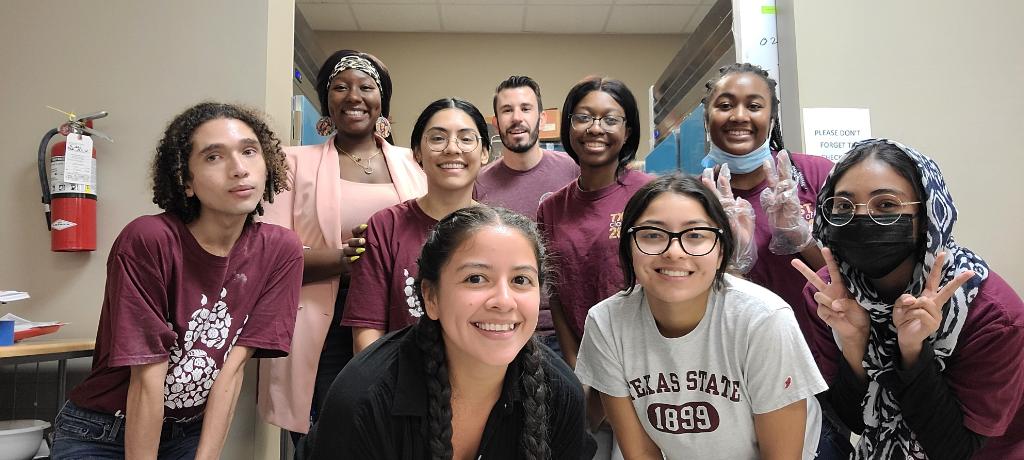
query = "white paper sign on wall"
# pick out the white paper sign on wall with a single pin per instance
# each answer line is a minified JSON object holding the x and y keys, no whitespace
{"x":831,"y":132}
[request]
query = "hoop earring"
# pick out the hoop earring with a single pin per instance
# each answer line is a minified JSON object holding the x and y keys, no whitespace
{"x":324,"y":126}
{"x":383,"y":127}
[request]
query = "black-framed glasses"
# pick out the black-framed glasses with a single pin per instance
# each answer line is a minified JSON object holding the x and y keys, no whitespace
{"x":884,"y":209}
{"x":466,"y":140}
{"x":610,"y":123}
{"x":695,"y":241}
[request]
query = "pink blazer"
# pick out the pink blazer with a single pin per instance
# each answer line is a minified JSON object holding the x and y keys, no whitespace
{"x":312,"y":208}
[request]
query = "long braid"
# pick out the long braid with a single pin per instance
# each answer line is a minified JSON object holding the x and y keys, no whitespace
{"x":439,"y":413}
{"x":775,"y":142}
{"x":534,"y":438}
{"x":442,"y":241}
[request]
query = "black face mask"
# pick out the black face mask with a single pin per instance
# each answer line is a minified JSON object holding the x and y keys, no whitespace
{"x":873,"y":249}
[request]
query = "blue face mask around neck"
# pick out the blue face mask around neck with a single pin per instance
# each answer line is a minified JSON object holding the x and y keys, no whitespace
{"x":741,"y":164}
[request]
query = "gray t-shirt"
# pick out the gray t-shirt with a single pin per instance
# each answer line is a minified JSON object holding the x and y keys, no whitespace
{"x":696,"y":395}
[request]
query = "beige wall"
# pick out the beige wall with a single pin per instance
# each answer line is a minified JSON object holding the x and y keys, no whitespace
{"x":942,"y":79}
{"x":144,"y":62}
{"x":426,"y":67}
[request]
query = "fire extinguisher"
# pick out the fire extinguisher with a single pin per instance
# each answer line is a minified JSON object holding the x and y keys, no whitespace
{"x":69,"y":191}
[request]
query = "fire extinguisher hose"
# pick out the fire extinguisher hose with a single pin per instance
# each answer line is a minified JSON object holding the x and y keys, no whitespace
{"x":44,"y":182}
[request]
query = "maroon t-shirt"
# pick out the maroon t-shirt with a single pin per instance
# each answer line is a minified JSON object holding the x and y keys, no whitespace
{"x":381,"y":294}
{"x":522,"y":192}
{"x":986,"y":372}
{"x":774,"y":271}
{"x":167,"y":299}
{"x":582,"y":230}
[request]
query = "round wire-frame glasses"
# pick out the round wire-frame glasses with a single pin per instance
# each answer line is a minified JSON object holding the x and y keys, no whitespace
{"x":610,"y":123}
{"x":884,"y":209}
{"x":466,"y":140}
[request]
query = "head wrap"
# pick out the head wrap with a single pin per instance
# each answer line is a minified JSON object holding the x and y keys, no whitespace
{"x":886,"y":435}
{"x":358,"y":63}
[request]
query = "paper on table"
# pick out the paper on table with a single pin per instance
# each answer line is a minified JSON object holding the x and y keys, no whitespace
{"x":21,"y":324}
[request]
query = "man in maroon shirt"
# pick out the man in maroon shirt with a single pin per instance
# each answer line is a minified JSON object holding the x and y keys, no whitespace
{"x":526,"y":174}
{"x":191,"y":295}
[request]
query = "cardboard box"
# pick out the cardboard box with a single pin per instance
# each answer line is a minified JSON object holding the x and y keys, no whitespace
{"x":549,"y":129}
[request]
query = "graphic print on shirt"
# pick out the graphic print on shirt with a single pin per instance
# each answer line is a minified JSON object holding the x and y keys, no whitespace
{"x":688,"y":417}
{"x":411,"y":300}
{"x":191,"y":371}
{"x":807,"y":211}
{"x":615,"y":226}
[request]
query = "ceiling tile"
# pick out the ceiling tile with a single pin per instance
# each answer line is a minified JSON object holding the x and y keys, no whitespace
{"x":649,"y":19}
{"x":397,"y":18}
{"x":570,"y":2}
{"x":328,"y":16}
{"x":392,"y":2}
{"x":483,"y":2}
{"x":564,"y":19}
{"x":482,"y":18}
{"x":657,"y":2}
{"x":698,"y":16}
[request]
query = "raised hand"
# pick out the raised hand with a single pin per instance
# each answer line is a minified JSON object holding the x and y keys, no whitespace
{"x":916,"y":318}
{"x":843,"y":314}
{"x":741,"y":219}
{"x":791,"y":233}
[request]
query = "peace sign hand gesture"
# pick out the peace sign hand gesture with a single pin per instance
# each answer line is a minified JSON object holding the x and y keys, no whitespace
{"x":843,"y":314}
{"x":791,"y":233}
{"x":916,"y":318}
{"x":741,"y":219}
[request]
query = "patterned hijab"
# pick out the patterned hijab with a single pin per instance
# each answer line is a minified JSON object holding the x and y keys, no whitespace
{"x":886,"y":435}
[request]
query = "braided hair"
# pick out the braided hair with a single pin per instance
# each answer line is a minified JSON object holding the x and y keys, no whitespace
{"x":745,"y":67}
{"x":446,"y":237}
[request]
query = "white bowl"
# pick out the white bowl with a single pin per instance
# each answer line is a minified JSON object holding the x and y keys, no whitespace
{"x":21,"y":438}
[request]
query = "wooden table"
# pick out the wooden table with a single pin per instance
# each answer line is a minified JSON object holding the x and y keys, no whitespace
{"x":60,"y":350}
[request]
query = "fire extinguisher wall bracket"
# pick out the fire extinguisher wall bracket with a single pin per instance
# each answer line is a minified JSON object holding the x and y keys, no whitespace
{"x":70,"y":202}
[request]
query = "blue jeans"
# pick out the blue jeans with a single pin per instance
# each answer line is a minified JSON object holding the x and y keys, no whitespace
{"x":84,"y":434}
{"x":833,"y":445}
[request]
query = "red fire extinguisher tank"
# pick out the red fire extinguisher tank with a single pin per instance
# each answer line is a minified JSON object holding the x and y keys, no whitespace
{"x":69,"y":190}
{"x":72,"y":206}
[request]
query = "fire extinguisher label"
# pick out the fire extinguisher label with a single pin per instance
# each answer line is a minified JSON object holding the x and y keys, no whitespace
{"x":58,"y":185}
{"x":78,"y":165}
{"x":61,"y":224}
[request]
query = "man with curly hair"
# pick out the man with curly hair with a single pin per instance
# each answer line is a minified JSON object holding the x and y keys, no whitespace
{"x":191,"y":295}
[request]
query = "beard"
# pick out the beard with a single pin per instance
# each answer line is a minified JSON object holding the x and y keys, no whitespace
{"x":522,"y":147}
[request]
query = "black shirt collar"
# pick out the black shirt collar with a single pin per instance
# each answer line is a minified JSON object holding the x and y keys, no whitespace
{"x":411,"y":398}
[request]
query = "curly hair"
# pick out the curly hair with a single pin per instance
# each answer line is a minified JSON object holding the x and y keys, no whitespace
{"x":170,"y":166}
{"x":446,"y":237}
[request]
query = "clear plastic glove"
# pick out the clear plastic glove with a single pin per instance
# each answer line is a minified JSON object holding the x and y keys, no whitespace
{"x":790,"y":232}
{"x":741,"y":220}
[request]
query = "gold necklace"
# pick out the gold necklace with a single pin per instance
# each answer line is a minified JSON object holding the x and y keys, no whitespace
{"x":359,"y":161}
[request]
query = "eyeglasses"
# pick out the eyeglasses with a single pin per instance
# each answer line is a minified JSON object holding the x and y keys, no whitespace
{"x":582,"y":121}
{"x":465,"y":140}
{"x":884,"y":209}
{"x":696,"y":241}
